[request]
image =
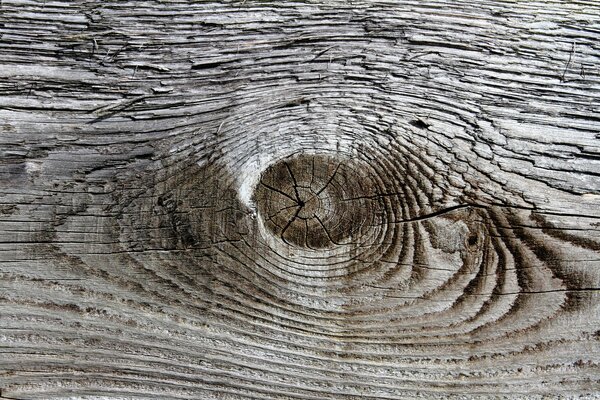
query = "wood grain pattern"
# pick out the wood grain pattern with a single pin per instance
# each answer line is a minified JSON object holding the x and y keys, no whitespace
{"x":299,"y":200}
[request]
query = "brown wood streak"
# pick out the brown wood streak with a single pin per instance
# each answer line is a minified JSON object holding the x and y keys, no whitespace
{"x":299,"y":200}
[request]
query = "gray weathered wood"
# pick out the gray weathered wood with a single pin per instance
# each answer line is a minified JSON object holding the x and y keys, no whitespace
{"x":299,"y":200}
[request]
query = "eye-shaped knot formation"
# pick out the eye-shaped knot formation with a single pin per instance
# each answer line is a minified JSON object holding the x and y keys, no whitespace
{"x":315,"y":201}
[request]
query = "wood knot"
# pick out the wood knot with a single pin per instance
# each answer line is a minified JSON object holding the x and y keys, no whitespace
{"x":312,"y":201}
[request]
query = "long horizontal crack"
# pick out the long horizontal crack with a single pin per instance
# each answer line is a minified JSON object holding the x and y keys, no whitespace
{"x":436,"y":213}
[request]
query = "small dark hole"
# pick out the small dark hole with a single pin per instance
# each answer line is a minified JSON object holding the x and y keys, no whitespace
{"x":300,"y":203}
{"x":419,"y":123}
{"x":472,"y":240}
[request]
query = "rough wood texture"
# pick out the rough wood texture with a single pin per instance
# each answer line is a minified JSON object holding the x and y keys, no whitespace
{"x":299,"y":200}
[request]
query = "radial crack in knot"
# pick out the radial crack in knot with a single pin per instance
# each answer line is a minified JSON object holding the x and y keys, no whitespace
{"x":303,"y":200}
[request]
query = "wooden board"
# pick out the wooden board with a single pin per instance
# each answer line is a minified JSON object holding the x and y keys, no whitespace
{"x":299,"y":200}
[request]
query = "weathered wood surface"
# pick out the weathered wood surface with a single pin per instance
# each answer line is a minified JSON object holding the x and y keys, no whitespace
{"x":299,"y":200}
